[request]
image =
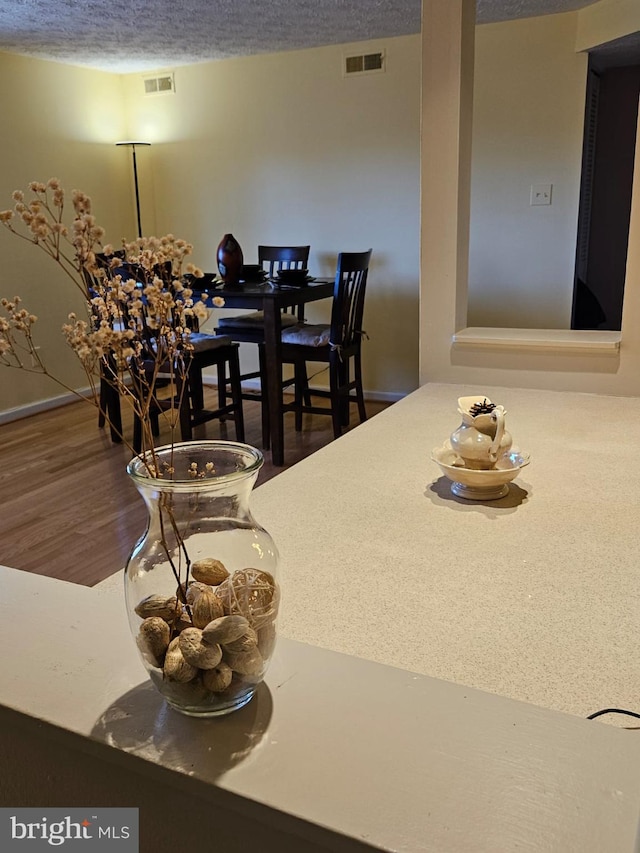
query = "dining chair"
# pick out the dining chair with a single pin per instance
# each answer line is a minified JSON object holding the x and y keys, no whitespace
{"x":109,"y":399}
{"x":338,"y":344}
{"x":186,"y":372}
{"x":208,"y":350}
{"x":249,"y":328}
{"x":223,"y":353}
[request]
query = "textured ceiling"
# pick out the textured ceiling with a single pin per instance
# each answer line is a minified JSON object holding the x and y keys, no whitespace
{"x":142,"y":35}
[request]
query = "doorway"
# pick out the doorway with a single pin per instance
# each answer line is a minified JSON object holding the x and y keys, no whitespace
{"x":613,"y":89}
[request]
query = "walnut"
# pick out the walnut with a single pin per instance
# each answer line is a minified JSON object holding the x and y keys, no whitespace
{"x":206,"y":607}
{"x":218,"y":679}
{"x":194,"y":589}
{"x":225,"y":630}
{"x":267,"y":639}
{"x":245,"y":663}
{"x":209,"y":571}
{"x":175,"y":666}
{"x":248,"y":641}
{"x":153,"y":639}
{"x":196,"y":652}
{"x":158,"y":605}
{"x":182,"y":621}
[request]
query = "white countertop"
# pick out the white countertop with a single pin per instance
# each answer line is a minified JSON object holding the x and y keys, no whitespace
{"x":332,"y":751}
{"x":380,"y":561}
{"x":535,"y":596}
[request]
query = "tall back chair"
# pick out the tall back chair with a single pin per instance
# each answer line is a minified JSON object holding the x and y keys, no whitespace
{"x":338,"y":344}
{"x":275,"y":258}
{"x":249,"y":328}
{"x":146,"y":373}
{"x":208,"y":351}
{"x":109,"y":399}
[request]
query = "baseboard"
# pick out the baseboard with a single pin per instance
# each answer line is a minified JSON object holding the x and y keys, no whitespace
{"x":29,"y":409}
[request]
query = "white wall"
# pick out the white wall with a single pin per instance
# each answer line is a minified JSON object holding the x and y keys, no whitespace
{"x":58,"y":121}
{"x":557,"y":369}
{"x":605,"y":21}
{"x":282,"y":149}
{"x":528,"y":123}
{"x":277,"y":149}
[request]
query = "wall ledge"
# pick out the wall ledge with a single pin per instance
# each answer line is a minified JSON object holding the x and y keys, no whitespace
{"x":570,"y":341}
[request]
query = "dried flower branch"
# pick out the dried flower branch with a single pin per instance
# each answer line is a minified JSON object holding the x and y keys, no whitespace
{"x":140,"y":314}
{"x":42,"y":223}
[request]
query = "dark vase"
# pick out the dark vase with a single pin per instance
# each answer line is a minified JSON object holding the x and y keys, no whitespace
{"x":230,"y":259}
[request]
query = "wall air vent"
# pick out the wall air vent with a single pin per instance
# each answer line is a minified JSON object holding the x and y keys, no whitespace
{"x":367,"y":63}
{"x":161,"y":85}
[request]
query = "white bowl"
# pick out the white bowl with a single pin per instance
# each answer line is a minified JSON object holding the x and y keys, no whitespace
{"x":483,"y":485}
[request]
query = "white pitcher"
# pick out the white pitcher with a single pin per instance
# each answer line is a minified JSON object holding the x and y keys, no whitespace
{"x":481,"y":439}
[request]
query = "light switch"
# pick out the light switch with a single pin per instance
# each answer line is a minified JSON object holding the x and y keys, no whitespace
{"x":540,"y":194}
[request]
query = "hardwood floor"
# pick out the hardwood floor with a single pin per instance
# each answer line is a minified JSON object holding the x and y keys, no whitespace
{"x":67,"y":507}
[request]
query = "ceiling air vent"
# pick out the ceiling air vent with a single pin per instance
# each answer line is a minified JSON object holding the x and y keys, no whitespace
{"x":161,"y":85}
{"x":367,"y":63}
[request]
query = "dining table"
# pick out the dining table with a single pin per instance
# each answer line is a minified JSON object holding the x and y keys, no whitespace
{"x":272,"y":298}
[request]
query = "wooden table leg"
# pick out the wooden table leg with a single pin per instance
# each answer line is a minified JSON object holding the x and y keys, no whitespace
{"x":273,"y":357}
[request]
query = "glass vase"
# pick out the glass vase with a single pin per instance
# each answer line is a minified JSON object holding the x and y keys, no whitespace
{"x":200,"y":585}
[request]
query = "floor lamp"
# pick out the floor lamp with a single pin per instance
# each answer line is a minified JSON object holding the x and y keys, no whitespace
{"x":132,"y":144}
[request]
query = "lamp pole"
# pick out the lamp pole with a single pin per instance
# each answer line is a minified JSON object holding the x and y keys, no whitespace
{"x":133,"y":144}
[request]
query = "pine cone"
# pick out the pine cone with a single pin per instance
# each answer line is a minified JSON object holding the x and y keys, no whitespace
{"x":483,"y":408}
